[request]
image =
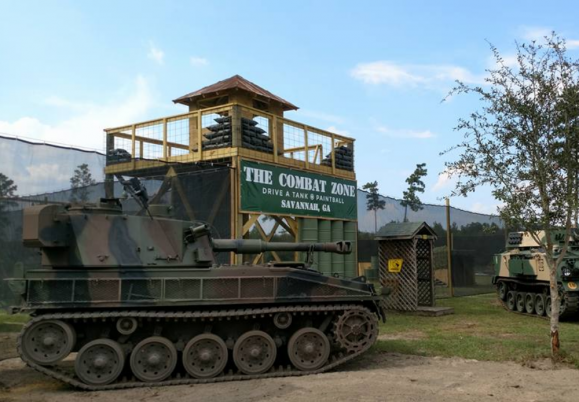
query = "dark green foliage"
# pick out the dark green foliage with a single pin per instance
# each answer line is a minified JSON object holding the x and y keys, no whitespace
{"x":7,"y":190}
{"x":415,"y":185}
{"x":373,"y":201}
{"x":80,"y":182}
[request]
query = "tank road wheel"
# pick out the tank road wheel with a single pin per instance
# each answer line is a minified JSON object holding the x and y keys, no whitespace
{"x":511,"y":300}
{"x":282,"y":320}
{"x":520,"y":302}
{"x":308,"y":349}
{"x":254,"y":352}
{"x":48,"y":342}
{"x":356,"y":330}
{"x":530,"y":303}
{"x":548,"y":306}
{"x":502,"y":290}
{"x":99,"y":362}
{"x":540,"y":304}
{"x":205,"y":356}
{"x":126,"y":325}
{"x":153,"y":359}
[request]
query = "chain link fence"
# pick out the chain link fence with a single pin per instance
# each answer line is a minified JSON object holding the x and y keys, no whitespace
{"x":42,"y":173}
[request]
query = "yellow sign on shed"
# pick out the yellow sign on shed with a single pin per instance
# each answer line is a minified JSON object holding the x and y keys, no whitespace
{"x":395,"y":265}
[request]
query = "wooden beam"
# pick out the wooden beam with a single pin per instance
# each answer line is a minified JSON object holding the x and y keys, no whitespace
{"x":287,"y":227}
{"x":150,"y":140}
{"x":252,"y":219}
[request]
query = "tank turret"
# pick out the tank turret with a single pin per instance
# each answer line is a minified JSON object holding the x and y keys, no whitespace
{"x":119,"y":240}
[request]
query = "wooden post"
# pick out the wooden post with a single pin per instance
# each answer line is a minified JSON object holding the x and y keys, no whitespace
{"x":200,"y":134}
{"x":306,"y":147}
{"x":133,"y":140}
{"x":236,"y":131}
{"x":333,"y":154}
{"x":449,"y":248}
{"x":109,"y":178}
{"x":273,"y":133}
{"x":164,"y":138}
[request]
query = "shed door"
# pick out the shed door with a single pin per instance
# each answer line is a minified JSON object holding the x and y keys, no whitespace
{"x":424,"y":273}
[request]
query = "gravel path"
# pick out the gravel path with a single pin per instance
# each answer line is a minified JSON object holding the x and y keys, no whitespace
{"x":377,"y":377}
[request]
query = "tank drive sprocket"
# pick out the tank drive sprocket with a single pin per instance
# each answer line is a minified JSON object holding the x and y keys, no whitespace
{"x":356,"y":329}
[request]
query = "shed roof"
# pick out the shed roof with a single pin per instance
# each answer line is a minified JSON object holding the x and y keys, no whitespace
{"x":405,"y":230}
{"x":235,"y":82}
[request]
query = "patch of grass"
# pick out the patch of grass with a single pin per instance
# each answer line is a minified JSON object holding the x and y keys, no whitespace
{"x":12,"y":323}
{"x":480,"y":329}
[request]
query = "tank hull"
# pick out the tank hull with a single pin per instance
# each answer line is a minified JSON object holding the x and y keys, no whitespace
{"x":522,"y":281}
{"x":308,"y":322}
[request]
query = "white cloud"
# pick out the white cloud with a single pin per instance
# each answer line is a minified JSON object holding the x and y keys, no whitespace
{"x":334,"y":129}
{"x":444,"y":181}
{"x":412,"y":75}
{"x":330,"y":118}
{"x":84,"y":126}
{"x":47,"y":171}
{"x":405,"y":133}
{"x":509,"y":60}
{"x":156,"y":54}
{"x":535,"y":33}
{"x":538,"y":34}
{"x":198,"y":61}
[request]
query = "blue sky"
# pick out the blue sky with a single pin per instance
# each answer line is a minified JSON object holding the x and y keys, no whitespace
{"x":374,"y":70}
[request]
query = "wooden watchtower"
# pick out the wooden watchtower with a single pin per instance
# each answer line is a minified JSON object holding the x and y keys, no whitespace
{"x":234,"y":158}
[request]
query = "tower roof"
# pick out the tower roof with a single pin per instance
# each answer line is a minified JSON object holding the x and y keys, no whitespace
{"x":235,"y":82}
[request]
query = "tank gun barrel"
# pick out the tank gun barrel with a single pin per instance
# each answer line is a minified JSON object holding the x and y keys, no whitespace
{"x":258,"y":246}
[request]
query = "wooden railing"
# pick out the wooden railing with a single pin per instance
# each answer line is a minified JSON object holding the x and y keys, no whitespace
{"x":183,"y":137}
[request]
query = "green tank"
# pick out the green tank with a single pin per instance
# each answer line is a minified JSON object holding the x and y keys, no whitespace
{"x":129,"y":301}
{"x":522,"y":275}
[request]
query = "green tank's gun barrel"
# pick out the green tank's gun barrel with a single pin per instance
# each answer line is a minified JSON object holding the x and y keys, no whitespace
{"x":258,"y":246}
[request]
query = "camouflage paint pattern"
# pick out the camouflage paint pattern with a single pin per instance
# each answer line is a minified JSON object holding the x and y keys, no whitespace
{"x":96,"y":256}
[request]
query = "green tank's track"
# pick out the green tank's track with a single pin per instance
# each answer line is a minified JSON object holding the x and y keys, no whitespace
{"x":67,"y":375}
{"x":571,"y":306}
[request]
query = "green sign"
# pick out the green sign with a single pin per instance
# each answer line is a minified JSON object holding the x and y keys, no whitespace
{"x":276,"y":190}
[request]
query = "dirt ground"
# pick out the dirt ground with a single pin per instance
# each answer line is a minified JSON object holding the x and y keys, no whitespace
{"x":374,"y":377}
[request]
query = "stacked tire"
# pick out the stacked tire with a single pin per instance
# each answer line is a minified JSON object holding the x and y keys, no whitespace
{"x":344,"y":158}
{"x":118,"y":155}
{"x":220,"y":135}
{"x":253,"y":137}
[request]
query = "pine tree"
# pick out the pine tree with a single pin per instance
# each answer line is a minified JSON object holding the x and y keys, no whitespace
{"x":373,"y":201}
{"x":80,"y":182}
{"x":415,"y":185}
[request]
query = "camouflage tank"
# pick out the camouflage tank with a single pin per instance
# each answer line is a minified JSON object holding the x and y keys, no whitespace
{"x":142,"y":302}
{"x":522,"y":275}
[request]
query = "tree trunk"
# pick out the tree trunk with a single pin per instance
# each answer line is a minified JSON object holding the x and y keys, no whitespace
{"x":555,"y":310}
{"x":375,"y":222}
{"x":405,"y":213}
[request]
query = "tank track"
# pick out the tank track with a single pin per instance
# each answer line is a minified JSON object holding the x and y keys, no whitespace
{"x":571,"y":305}
{"x":67,"y":375}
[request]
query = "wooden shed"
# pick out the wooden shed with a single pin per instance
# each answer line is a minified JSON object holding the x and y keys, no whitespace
{"x":405,"y":253}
